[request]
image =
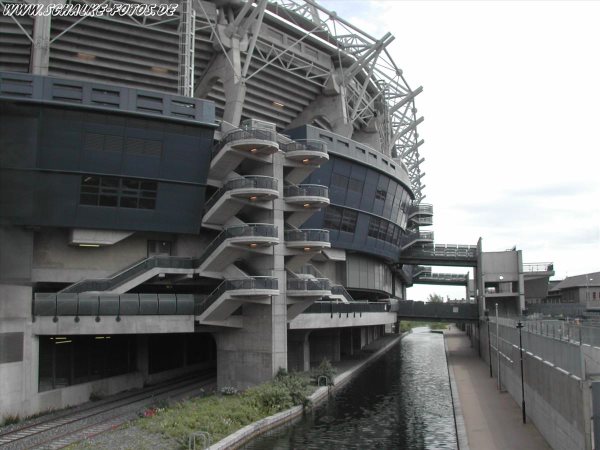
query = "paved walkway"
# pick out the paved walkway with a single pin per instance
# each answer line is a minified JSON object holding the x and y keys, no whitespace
{"x":493,"y":420}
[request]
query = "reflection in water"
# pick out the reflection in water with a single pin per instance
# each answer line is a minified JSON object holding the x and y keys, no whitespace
{"x":402,"y":401}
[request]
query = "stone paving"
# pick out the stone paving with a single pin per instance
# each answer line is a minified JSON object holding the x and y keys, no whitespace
{"x":493,"y":420}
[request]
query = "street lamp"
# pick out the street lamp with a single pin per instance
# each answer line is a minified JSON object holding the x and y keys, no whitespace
{"x":489,"y":345}
{"x":520,"y":326}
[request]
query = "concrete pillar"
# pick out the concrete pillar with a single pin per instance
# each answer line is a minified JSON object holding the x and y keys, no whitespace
{"x":346,"y":342}
{"x":298,"y":351}
{"x":141,"y":355}
{"x":246,"y":357}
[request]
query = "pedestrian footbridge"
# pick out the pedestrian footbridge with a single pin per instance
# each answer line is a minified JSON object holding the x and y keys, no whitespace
{"x":440,"y":312}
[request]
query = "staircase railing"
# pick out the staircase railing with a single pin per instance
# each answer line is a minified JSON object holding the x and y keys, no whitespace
{"x":262,"y":283}
{"x":171,"y":262}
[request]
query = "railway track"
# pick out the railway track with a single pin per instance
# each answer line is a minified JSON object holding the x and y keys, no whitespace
{"x":68,"y":428}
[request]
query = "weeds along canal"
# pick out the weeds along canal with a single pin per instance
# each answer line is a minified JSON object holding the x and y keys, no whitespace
{"x":401,"y":401}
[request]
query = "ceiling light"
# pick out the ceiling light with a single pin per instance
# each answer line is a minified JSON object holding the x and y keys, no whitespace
{"x":306,"y":160}
{"x":278,"y":105}
{"x":307,"y":205}
{"x":307,"y":249}
{"x":253,"y":198}
{"x":86,"y":56}
{"x":253,"y":245}
{"x":253,"y":150}
{"x":161,"y":70}
{"x":89,"y":245}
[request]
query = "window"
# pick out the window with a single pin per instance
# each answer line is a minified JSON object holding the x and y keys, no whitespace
{"x":122,"y":192}
{"x":384,"y":231}
{"x":374,"y":227}
{"x":349,"y":221}
{"x":333,"y":217}
{"x":355,"y":185}
{"x":380,"y":194}
{"x":339,"y":181}
{"x":343,"y":219}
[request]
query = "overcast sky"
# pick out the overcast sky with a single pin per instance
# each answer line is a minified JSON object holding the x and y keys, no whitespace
{"x":511,"y":103}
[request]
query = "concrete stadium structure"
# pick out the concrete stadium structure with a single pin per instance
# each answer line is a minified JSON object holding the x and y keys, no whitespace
{"x":238,"y":186}
{"x":231,"y":186}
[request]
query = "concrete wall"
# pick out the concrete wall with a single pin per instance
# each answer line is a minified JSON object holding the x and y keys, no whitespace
{"x":324,"y":344}
{"x":54,"y":260}
{"x":557,"y":398}
{"x":363,"y":272}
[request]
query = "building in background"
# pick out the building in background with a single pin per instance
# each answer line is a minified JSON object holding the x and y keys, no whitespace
{"x":583,"y":289}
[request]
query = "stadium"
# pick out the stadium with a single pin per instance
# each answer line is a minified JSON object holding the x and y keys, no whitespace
{"x":235,"y":187}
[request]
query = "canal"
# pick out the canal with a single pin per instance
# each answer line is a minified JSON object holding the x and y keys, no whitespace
{"x":402,"y":401}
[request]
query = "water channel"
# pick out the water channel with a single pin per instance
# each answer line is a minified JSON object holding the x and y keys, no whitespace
{"x":402,"y":401}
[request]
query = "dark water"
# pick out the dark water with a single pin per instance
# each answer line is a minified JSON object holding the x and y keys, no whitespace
{"x":402,"y":401}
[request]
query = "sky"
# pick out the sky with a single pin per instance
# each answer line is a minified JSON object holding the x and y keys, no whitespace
{"x":511,"y":101}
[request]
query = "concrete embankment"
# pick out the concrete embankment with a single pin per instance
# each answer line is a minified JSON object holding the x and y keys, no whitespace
{"x":347,"y":370}
{"x":486,"y":418}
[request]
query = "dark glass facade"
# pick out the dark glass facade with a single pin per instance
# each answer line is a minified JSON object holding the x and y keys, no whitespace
{"x":67,"y":167}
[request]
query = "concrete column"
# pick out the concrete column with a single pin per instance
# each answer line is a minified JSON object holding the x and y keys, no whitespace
{"x":141,"y":355}
{"x":18,"y":368}
{"x":298,"y":351}
{"x":346,"y":342}
{"x":245,"y":356}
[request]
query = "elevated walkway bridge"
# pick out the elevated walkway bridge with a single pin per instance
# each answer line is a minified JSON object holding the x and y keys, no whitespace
{"x":439,"y":312}
{"x":424,"y":275}
{"x":440,"y":255}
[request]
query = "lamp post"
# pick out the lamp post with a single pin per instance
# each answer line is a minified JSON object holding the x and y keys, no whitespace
{"x":498,"y":348}
{"x":587,"y":288}
{"x":489,"y":345}
{"x":520,"y":326}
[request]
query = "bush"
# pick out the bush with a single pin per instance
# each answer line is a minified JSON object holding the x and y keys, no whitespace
{"x":325,"y":369}
{"x":222,"y":415}
{"x":10,"y":420}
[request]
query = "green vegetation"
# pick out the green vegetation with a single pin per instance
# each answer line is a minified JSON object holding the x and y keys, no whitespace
{"x":435,"y":298}
{"x":10,"y":420}
{"x":406,"y":325}
{"x":326,"y":370}
{"x":221,"y":415}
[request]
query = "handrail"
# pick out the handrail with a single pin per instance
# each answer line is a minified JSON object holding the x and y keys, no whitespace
{"x":419,"y":220}
{"x":441,"y":250}
{"x":251,"y":133}
{"x":173,"y":262}
{"x":263,"y":283}
{"x":407,"y":239}
{"x":538,"y":267}
{"x":308,"y":284}
{"x":315,"y":145}
{"x":443,"y":276}
{"x":421,"y":208}
{"x":338,"y":289}
{"x":306,"y":190}
{"x":309,"y":235}
{"x":247,"y":182}
{"x":346,"y":308}
{"x":419,"y":271}
{"x":76,"y":305}
{"x":309,"y":269}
